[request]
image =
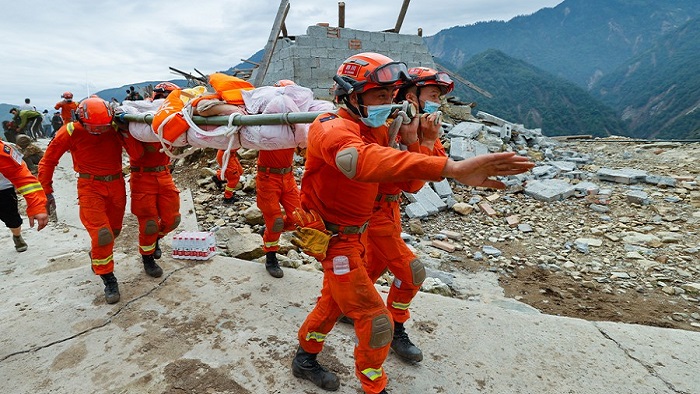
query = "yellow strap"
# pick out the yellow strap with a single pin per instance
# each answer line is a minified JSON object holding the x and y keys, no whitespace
{"x":104,"y":261}
{"x":70,"y":127}
{"x":29,"y":188}
{"x":372,"y":373}
{"x":400,"y":306}
{"x":316,"y":336}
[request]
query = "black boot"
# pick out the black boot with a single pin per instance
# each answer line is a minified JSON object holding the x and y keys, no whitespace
{"x":402,"y":345}
{"x":20,"y":245}
{"x":150,"y":266}
{"x":157,"y":252}
{"x":218,"y":182}
{"x":111,"y":288}
{"x":272,"y":265}
{"x":305,"y":366}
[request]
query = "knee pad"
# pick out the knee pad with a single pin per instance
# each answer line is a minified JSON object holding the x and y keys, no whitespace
{"x":176,"y":223}
{"x":151,"y":227}
{"x":417,"y":271}
{"x":104,"y":236}
{"x":382,"y":331}
{"x":278,"y":225}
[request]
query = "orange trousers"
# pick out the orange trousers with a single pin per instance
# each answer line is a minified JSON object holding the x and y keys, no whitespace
{"x":233,"y":172}
{"x":354,"y":295}
{"x":155,"y":201}
{"x":274,"y":190}
{"x":102,"y":207}
{"x":386,"y":250}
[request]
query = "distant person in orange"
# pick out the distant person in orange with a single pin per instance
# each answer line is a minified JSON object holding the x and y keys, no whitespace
{"x":386,"y":249}
{"x":230,"y":177}
{"x":275,"y":188}
{"x":96,"y":148}
{"x":67,"y":107}
{"x":348,"y":155}
{"x":155,"y":200}
{"x":14,"y":174}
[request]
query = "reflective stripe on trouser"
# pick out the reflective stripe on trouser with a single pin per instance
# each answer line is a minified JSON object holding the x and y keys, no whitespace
{"x":386,"y":250}
{"x":355,"y":296}
{"x":102,"y":206}
{"x":155,"y":201}
{"x":273,"y":190}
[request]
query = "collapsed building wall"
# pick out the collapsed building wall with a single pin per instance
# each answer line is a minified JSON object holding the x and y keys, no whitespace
{"x":311,"y":60}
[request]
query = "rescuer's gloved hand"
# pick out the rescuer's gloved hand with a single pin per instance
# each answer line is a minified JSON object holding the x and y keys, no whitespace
{"x":310,"y":219}
{"x":51,"y":208}
{"x":312,"y":241}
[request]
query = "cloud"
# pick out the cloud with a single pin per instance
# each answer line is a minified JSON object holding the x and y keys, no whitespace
{"x":85,"y":46}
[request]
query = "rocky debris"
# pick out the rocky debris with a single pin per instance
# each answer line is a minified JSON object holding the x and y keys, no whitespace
{"x":613,"y":215}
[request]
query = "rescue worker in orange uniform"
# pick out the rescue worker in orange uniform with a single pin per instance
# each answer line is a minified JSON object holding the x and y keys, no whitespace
{"x":14,"y":175}
{"x":346,"y":159}
{"x":231,"y":176}
{"x":155,"y":200}
{"x":386,"y":249}
{"x":275,"y":186}
{"x":67,"y":107}
{"x":96,"y":148}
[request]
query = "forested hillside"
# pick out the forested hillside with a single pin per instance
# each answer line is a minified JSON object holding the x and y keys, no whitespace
{"x":580,"y":40}
{"x":658,"y":92}
{"x":525,"y":94}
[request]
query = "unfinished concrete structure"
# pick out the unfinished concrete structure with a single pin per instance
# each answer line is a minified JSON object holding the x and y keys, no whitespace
{"x":311,"y":60}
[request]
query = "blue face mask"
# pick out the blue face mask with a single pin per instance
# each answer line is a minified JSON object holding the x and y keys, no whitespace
{"x":377,"y":115}
{"x":430,"y":107}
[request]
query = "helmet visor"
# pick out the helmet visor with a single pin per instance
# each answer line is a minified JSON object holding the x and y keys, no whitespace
{"x":389,"y":73}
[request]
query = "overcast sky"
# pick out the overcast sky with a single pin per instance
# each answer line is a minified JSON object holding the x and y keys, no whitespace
{"x":84,"y":46}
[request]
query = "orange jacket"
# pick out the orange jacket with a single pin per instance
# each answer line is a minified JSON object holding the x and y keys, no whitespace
{"x":92,"y":154}
{"x":281,"y":158}
{"x":67,"y":108}
{"x":15,"y":170}
{"x":412,"y":186}
{"x":346,"y":201}
{"x":145,"y":154}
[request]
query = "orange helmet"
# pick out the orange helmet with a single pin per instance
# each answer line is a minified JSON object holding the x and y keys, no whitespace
{"x":67,"y":95}
{"x":95,"y":115}
{"x":424,"y":76}
{"x":283,"y":82}
{"x":368,"y":70}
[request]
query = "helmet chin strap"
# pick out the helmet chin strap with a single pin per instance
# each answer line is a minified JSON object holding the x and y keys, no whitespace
{"x":352,"y":108}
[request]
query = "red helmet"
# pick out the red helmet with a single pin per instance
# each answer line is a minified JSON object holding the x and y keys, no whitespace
{"x":368,"y":70}
{"x":283,"y":82}
{"x":424,"y":76}
{"x":95,"y":115}
{"x":67,"y":95}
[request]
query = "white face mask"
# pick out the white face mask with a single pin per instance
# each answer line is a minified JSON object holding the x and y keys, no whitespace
{"x":377,"y":115}
{"x":430,"y":107}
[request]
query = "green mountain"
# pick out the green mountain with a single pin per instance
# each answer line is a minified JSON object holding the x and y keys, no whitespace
{"x":580,"y":40}
{"x":658,"y":91}
{"x":525,"y":94}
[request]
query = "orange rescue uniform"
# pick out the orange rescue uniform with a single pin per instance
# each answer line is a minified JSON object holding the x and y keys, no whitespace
{"x":346,"y":203}
{"x":155,"y":200}
{"x":15,"y":170}
{"x":101,"y":190}
{"x":233,"y":172}
{"x":67,"y":108}
{"x":387,"y":250}
{"x":276,"y":185}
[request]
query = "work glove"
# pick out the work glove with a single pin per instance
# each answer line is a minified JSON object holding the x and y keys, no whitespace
{"x":51,"y":208}
{"x":311,"y":235}
{"x":311,"y":241}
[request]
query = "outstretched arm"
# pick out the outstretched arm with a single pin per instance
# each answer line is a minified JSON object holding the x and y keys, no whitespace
{"x":476,"y":171}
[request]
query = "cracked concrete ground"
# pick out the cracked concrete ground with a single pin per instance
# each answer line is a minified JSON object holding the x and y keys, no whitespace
{"x":226,"y":326}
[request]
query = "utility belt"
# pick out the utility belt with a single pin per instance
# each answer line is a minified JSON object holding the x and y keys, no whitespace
{"x":388,"y":197}
{"x":338,"y":229}
{"x":103,"y":178}
{"x":149,"y":169}
{"x":273,"y":170}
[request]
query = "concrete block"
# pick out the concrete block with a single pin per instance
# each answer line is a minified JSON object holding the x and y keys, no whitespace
{"x":469,"y":130}
{"x":462,"y":148}
{"x":427,"y":197}
{"x":637,"y":197}
{"x":442,"y":188}
{"x":415,"y":211}
{"x":490,"y":118}
{"x":623,"y":175}
{"x":549,"y":190}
